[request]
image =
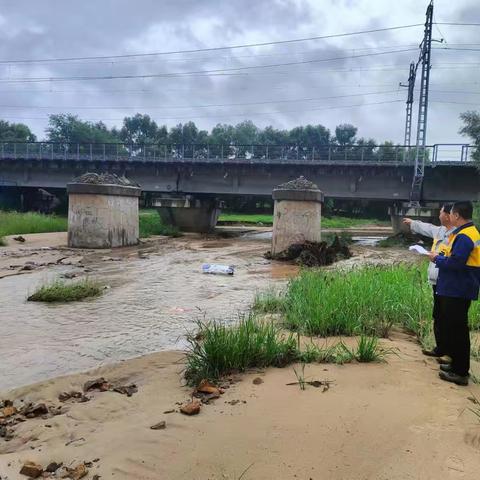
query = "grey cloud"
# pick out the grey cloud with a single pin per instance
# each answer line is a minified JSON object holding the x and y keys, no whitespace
{"x":60,"y":28}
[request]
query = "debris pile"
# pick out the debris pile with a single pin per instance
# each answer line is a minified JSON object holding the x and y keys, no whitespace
{"x":105,"y":179}
{"x":57,"y":470}
{"x":102,"y":385}
{"x":11,"y":415}
{"x":300,"y":183}
{"x":313,"y":254}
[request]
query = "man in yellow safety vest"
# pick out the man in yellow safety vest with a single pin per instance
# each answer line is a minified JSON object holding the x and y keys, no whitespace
{"x":457,"y":286}
{"x":440,"y":235}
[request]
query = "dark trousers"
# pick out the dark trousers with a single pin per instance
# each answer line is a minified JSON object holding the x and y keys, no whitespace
{"x":454,"y":321}
{"x":438,"y":328}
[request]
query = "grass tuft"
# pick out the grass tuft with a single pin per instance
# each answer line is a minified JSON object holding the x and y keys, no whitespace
{"x":61,"y":291}
{"x":3,"y":242}
{"x":270,"y":301}
{"x":218,"y":349}
{"x":150,"y":224}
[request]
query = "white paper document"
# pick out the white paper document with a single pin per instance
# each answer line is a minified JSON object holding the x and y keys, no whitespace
{"x":418,"y":249}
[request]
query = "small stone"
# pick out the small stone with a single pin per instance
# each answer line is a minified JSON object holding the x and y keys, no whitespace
{"x":192,"y":408}
{"x":9,"y":411}
{"x":35,"y":410}
{"x":31,"y":469}
{"x":159,"y":426}
{"x":257,"y":381}
{"x":78,"y":472}
{"x":19,"y":239}
{"x":206,"y":387}
{"x":53,"y":467}
{"x":64,"y":396}
{"x":127,"y":390}
{"x":97,"y":384}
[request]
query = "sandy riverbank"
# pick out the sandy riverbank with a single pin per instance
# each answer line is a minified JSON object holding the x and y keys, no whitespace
{"x":389,"y":421}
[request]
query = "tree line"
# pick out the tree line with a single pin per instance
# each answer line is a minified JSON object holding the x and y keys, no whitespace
{"x":141,"y":129}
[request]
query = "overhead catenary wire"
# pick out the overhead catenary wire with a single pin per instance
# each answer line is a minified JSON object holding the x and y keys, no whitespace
{"x":228,"y":115}
{"x":217,"y":71}
{"x":168,"y":107}
{"x":211,"y":49}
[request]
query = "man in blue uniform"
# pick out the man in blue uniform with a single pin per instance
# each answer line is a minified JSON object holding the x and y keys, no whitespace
{"x":457,"y":285}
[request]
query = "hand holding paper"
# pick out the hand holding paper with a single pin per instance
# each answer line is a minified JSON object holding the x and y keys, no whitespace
{"x":418,"y":249}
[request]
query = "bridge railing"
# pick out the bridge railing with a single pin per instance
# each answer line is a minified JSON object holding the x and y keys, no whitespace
{"x":215,"y":153}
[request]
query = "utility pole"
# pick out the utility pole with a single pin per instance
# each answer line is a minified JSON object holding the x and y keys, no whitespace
{"x":408,"y":117}
{"x":420,"y":153}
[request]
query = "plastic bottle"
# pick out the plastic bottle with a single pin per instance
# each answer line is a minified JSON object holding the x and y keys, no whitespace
{"x":218,"y":269}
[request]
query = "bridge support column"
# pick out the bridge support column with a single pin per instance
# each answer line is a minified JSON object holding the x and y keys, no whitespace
{"x":188,"y":213}
{"x":297,"y":214}
{"x":102,"y":216}
{"x":428,"y":213}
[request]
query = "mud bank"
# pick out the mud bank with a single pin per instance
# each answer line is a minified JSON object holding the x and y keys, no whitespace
{"x":377,"y":421}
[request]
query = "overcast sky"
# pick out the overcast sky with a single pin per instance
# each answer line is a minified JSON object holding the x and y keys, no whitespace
{"x":274,"y":95}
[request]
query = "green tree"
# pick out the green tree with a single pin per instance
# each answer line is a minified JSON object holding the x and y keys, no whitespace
{"x":19,"y":132}
{"x":246,"y":133}
{"x":223,"y":134}
{"x":310,"y":135}
{"x":471,"y":128}
{"x":67,"y":129}
{"x":187,"y":134}
{"x":272,"y":136}
{"x":345,"y":134}
{"x":138,"y":130}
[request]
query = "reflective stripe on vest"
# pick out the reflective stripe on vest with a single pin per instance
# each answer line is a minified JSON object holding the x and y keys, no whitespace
{"x":472,"y":233}
{"x":441,"y":245}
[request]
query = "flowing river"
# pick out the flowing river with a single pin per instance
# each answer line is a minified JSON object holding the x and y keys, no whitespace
{"x":154,"y":297}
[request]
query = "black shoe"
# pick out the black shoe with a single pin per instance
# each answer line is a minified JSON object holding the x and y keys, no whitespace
{"x":432,"y":353}
{"x":445,"y":360}
{"x":446,"y":367}
{"x":454,"y":378}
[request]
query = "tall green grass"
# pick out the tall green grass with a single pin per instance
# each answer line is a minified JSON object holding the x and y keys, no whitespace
{"x":327,"y":222}
{"x":218,"y":349}
{"x":368,"y":300}
{"x":150,"y":224}
{"x":61,"y":291}
{"x":16,"y":223}
{"x":363,"y":301}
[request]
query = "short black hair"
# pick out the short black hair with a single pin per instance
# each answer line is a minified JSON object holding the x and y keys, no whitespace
{"x":464,"y":209}
{"x":447,"y":207}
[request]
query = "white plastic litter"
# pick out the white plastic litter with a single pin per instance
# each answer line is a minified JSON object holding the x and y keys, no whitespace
{"x":418,"y":249}
{"x":215,"y":268}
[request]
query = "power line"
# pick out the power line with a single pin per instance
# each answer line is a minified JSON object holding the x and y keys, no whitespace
{"x":196,"y":72}
{"x":244,"y":114}
{"x":458,"y":24}
{"x":117,"y":107}
{"x":211,"y":49}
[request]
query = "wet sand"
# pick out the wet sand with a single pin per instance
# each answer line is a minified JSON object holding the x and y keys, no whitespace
{"x":391,"y":421}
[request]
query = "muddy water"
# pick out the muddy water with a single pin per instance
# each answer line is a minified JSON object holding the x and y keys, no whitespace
{"x":149,"y":306}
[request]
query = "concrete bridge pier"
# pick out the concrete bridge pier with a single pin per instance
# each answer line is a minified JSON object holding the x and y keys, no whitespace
{"x":188,"y":213}
{"x":428,"y":213}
